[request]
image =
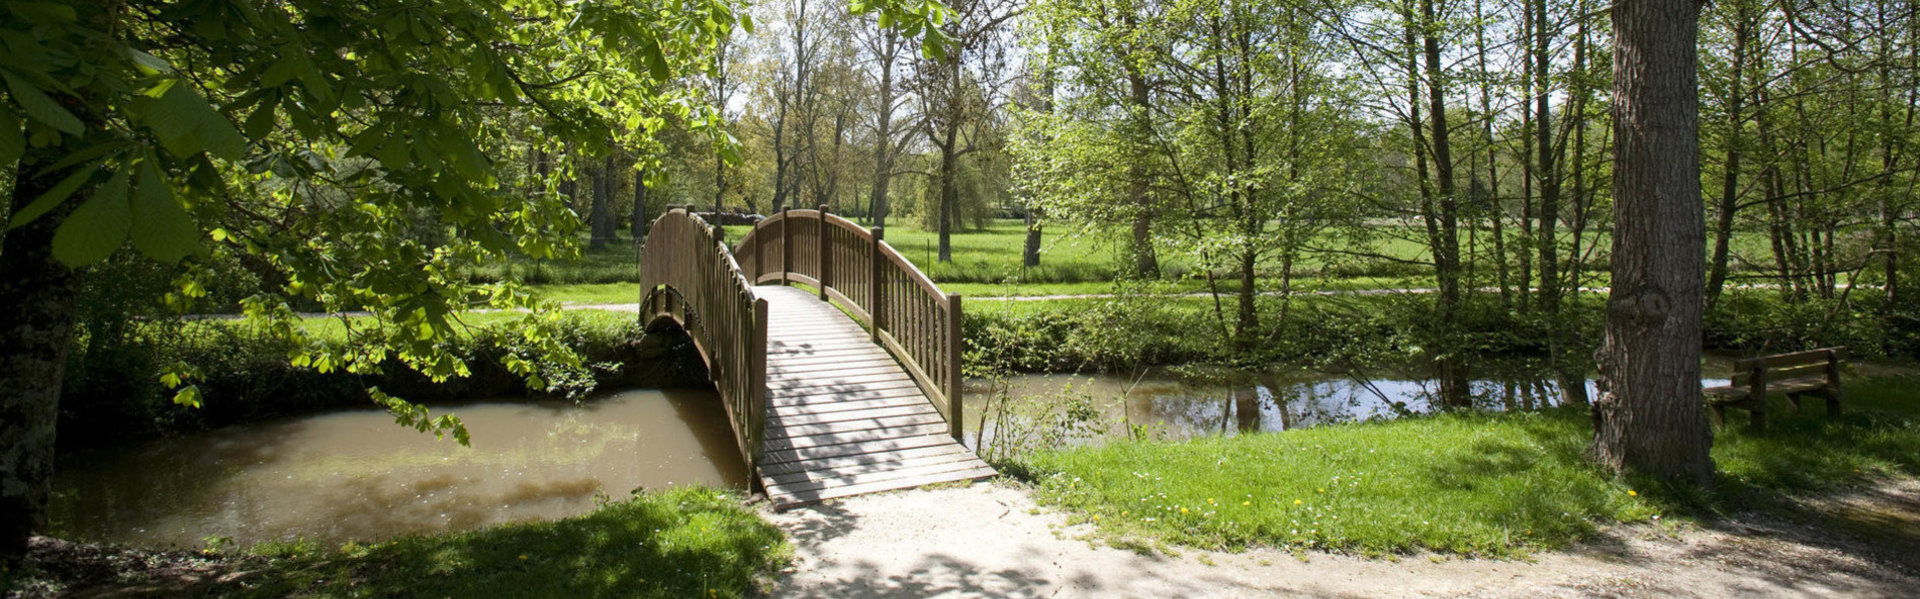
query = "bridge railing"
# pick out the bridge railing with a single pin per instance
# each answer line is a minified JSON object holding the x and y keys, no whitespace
{"x":687,"y":274}
{"x":855,"y":267}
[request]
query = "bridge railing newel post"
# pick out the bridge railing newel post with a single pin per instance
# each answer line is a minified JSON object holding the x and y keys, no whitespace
{"x":955,"y":380}
{"x":873,"y":283}
{"x":823,"y":259}
{"x":757,"y":392}
{"x":786,"y":244}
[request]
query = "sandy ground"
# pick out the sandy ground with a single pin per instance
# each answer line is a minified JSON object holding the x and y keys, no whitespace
{"x":992,"y":540}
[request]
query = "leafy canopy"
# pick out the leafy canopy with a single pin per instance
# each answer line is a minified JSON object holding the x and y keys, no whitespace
{"x":368,"y":154}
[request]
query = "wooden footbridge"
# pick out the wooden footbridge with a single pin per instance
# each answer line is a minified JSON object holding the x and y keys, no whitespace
{"x":852,"y":386}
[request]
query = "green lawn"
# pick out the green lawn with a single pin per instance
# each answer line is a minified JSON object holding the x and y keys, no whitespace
{"x":1475,"y":484}
{"x":682,"y":543}
{"x":986,"y":262}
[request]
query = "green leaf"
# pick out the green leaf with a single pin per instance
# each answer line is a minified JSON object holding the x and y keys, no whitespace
{"x":162,"y":229}
{"x":53,"y":197}
{"x":96,"y":228}
{"x":656,"y":60}
{"x":188,"y":396}
{"x":186,"y":125}
{"x":12,"y":142}
{"x":260,"y":123}
{"x":43,"y":12}
{"x":41,"y":108}
{"x":148,"y":63}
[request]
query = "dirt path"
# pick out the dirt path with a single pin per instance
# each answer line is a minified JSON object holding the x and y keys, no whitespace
{"x":991,"y":540}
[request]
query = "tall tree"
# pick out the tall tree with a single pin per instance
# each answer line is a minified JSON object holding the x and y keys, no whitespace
{"x":1650,"y":418}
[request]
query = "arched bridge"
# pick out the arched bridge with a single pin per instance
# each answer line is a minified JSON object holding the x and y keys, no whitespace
{"x":851,"y":387}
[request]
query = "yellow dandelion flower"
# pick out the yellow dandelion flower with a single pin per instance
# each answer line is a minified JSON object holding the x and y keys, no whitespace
{"x":1632,"y":493}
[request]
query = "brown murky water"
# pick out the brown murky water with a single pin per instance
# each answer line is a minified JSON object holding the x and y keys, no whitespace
{"x":357,"y":475}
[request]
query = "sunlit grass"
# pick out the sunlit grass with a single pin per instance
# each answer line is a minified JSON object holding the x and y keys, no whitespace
{"x":683,"y":543}
{"x":1476,"y":484}
{"x":1470,"y":484}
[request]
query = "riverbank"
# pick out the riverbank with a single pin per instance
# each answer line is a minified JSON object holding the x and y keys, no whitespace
{"x":691,"y":542}
{"x":1480,"y":484}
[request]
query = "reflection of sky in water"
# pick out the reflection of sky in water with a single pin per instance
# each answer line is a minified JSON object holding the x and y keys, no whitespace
{"x":1172,"y":408}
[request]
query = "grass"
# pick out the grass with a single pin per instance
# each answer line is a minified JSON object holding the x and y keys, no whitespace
{"x":1474,"y":484}
{"x":682,"y":543}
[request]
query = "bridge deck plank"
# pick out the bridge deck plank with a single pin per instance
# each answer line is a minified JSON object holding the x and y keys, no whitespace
{"x":843,"y":417}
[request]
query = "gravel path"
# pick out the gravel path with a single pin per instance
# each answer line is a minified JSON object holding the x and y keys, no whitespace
{"x":992,"y":540}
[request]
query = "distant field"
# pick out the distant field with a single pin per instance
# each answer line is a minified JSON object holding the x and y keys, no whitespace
{"x":986,"y":262}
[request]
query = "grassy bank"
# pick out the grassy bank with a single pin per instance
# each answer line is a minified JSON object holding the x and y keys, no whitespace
{"x":1476,"y":484}
{"x":682,"y":543}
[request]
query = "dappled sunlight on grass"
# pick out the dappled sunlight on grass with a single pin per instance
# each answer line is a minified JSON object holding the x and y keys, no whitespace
{"x":682,"y":543}
{"x":1477,"y":484}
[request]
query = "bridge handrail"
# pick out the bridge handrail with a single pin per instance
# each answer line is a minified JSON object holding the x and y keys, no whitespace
{"x":692,"y":278}
{"x":905,"y":312}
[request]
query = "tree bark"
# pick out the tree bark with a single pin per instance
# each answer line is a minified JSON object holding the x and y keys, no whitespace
{"x":38,"y":295}
{"x":1650,"y":418}
{"x":602,"y":218}
{"x":639,"y":226}
{"x":1146,"y":263}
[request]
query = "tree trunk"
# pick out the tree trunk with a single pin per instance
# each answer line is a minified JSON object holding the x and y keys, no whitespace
{"x":38,"y":295}
{"x":1730,"y":180}
{"x":948,"y":194}
{"x":1650,"y":418}
{"x":1146,"y":263}
{"x":602,"y":217}
{"x":639,"y":231}
{"x":1030,"y":253}
{"x":1547,"y":171}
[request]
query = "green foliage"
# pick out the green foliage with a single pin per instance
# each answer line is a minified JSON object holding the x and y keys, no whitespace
{"x":688,"y":542}
{"x":353,"y":156}
{"x":118,"y":383}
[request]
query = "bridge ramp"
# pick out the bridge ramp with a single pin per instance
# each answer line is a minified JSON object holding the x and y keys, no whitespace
{"x":843,"y":417}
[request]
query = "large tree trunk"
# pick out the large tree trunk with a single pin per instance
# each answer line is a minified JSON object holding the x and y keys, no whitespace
{"x":38,"y":296}
{"x":948,"y":194}
{"x":1146,"y":262}
{"x":1650,"y":418}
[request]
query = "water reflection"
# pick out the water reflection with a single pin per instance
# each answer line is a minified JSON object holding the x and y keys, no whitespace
{"x":356,"y":475}
{"x":1231,"y":403}
{"x":1175,"y":407}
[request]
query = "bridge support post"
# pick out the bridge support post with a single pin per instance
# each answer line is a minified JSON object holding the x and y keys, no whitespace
{"x":955,"y":379}
{"x":873,"y":283}
{"x":824,"y":257}
{"x":786,"y":244}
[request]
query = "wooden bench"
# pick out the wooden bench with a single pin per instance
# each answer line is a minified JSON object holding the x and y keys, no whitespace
{"x":1795,"y":375}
